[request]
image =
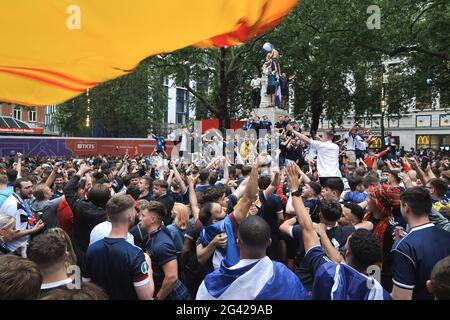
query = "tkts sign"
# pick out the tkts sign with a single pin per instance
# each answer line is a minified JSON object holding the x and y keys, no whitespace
{"x":86,"y":146}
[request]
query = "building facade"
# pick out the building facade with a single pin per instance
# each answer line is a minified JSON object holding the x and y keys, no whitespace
{"x":16,"y":119}
{"x":177,"y":111}
{"x":428,"y":128}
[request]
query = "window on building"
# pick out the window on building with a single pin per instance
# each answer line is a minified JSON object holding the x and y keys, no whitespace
{"x":17,"y":113}
{"x":32,"y":115}
{"x":182,"y":106}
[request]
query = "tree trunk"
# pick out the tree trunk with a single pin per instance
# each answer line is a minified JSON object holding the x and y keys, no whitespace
{"x":222,"y":101}
{"x":316,"y":109}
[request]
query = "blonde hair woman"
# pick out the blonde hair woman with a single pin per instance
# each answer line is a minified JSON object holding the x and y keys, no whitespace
{"x":7,"y":231}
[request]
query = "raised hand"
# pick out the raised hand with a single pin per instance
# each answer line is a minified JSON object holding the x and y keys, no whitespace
{"x":84,"y":168}
{"x":293,"y":175}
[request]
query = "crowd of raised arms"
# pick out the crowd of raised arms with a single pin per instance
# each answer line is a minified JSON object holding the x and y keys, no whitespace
{"x":326,"y":218}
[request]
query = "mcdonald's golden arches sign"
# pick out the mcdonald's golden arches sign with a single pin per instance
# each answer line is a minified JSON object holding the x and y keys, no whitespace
{"x":423,"y":140}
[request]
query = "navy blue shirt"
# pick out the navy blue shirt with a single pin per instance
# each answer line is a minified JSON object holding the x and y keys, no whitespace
{"x":117,"y":266}
{"x":338,"y":237}
{"x":161,"y":249}
{"x":313,"y":205}
{"x":232,"y":200}
{"x":202,"y":187}
{"x":265,"y":124}
{"x":332,"y":285}
{"x":269,"y":210}
{"x":160,"y":143}
{"x":179,"y":197}
{"x":415,"y":255}
{"x":271,"y":80}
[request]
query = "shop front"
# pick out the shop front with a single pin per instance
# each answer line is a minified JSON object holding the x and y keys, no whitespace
{"x":433,"y":141}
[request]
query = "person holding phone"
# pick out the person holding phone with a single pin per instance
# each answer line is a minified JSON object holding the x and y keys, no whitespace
{"x":17,"y":206}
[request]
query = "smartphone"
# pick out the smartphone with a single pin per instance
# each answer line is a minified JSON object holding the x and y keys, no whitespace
{"x":38,"y":216}
{"x":399,"y":232}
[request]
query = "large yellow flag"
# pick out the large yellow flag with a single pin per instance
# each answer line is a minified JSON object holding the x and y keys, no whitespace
{"x":53,"y":50}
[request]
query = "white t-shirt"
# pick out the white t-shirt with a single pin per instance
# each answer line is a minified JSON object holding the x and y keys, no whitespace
{"x":327,"y":158}
{"x":349,"y":141}
{"x":255,"y":83}
{"x":9,"y":207}
{"x":360,"y":143}
{"x":218,"y":148}
{"x":102,"y":230}
{"x":184,"y":141}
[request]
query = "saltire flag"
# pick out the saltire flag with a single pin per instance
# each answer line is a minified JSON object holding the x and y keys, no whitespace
{"x":342,"y":282}
{"x":261,"y":280}
{"x":54,"y":50}
{"x":278,"y":96}
{"x":229,"y":255}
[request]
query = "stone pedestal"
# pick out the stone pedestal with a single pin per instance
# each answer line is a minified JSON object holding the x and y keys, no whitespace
{"x":272,"y":113}
{"x":264,"y":97}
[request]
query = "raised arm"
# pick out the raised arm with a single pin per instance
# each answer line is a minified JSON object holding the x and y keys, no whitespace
{"x":430,"y":172}
{"x":51,"y":178}
{"x":226,"y":173}
{"x":239,"y":159}
{"x":310,"y":238}
{"x":241,"y":189}
{"x":286,"y":227}
{"x":301,"y":136}
{"x":179,"y":178}
{"x":193,"y":198}
{"x":274,"y":184}
{"x":242,"y":208}
{"x":353,"y":127}
{"x":303,"y":177}
{"x":419,"y":171}
{"x":69,"y":188}
{"x":19,"y":165}
{"x":209,"y":166}
{"x":329,"y":248}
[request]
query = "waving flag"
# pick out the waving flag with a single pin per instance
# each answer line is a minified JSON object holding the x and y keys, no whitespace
{"x":261,"y":280}
{"x":53,"y":50}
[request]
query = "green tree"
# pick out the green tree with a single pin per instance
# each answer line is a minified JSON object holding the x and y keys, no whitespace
{"x":336,"y":58}
{"x":124,"y":107}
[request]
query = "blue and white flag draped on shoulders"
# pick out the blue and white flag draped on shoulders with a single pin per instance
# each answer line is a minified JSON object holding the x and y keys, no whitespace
{"x":230,"y":254}
{"x":342,"y":282}
{"x":262,"y":279}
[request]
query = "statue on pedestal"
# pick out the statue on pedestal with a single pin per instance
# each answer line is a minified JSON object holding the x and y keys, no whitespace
{"x":271,"y":70}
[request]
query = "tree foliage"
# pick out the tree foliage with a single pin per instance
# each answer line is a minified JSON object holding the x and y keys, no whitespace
{"x":326,"y":44}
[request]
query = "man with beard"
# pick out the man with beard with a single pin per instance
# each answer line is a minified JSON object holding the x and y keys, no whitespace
{"x":17,"y":206}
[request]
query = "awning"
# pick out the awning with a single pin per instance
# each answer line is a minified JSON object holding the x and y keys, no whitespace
{"x":11,"y":125}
